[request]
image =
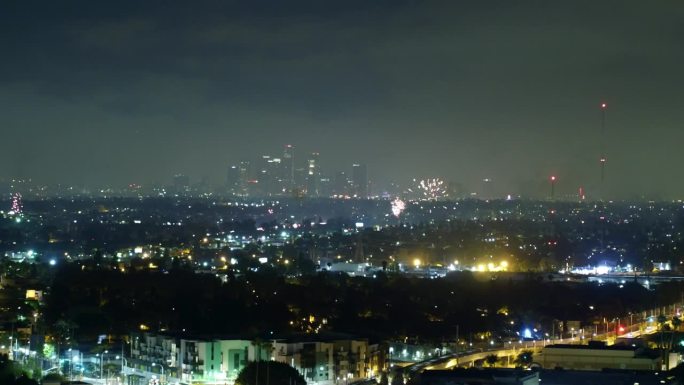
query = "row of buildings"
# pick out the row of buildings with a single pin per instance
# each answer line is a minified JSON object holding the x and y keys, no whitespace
{"x":324,"y":359}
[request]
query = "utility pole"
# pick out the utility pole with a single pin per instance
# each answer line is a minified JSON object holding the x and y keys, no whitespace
{"x":602,"y":160}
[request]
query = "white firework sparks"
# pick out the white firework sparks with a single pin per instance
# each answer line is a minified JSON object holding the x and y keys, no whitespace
{"x":17,"y":206}
{"x":397,"y":207}
{"x":431,"y":189}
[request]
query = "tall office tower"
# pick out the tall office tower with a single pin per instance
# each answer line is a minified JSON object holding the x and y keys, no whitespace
{"x":325,"y":187}
{"x":263,"y":176}
{"x":233,"y":179}
{"x":243,"y":178}
{"x":272,"y":180}
{"x":313,"y":175}
{"x":181,"y":183}
{"x":360,"y":180}
{"x":341,"y":184}
{"x":300,"y":177}
{"x":288,"y":175}
{"x":203,"y":186}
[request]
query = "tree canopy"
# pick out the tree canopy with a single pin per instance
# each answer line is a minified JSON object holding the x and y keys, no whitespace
{"x":271,"y":372}
{"x":524,"y":358}
{"x":11,"y":373}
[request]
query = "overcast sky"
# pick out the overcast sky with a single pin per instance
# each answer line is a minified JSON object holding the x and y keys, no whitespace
{"x":115,"y":92}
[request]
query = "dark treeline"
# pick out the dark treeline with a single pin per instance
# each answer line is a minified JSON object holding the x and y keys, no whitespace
{"x":85,"y":303}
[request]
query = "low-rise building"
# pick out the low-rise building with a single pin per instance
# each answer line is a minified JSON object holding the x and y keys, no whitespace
{"x":606,"y":377}
{"x":543,"y":377}
{"x":312,"y":358}
{"x":219,"y":359}
{"x":151,"y":357}
{"x":185,"y":359}
{"x":597,"y":356}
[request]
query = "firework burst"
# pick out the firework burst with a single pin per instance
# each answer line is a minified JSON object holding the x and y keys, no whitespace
{"x":17,"y":206}
{"x":430,"y":189}
{"x":397,"y":207}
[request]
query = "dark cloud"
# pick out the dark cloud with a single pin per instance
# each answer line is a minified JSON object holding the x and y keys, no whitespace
{"x":117,"y":92}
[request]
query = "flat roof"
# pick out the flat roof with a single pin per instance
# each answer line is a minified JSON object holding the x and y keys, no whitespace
{"x":594,"y":347}
{"x":473,"y":373}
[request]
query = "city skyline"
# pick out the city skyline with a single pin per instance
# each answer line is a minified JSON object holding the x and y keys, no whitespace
{"x":307,"y":192}
{"x":465,"y":92}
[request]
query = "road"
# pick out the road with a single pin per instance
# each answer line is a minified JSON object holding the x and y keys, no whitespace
{"x":510,"y":350}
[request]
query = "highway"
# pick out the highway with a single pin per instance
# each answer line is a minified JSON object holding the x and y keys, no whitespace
{"x":507,"y":351}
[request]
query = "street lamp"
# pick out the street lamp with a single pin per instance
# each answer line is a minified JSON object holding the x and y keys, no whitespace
{"x":71,"y":365}
{"x":124,"y":367}
{"x":102,"y":357}
{"x":161,"y":378}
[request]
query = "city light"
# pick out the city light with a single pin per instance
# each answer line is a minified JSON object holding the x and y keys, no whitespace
{"x":156,"y":229}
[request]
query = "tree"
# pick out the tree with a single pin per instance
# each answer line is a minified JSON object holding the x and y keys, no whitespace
{"x":524,"y":358}
{"x":97,"y":257}
{"x":25,"y":380}
{"x":661,"y":326}
{"x":676,"y":323}
{"x":54,"y":377}
{"x":398,"y":378}
{"x":279,"y":374}
{"x":63,"y":332}
{"x":11,"y":374}
{"x":492,"y":359}
{"x":8,"y":370}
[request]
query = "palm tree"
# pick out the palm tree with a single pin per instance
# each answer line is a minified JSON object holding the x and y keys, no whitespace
{"x":492,"y":359}
{"x":259,"y":346}
{"x":676,"y":323}
{"x":282,"y":374}
{"x":398,"y":378}
{"x":257,"y":357}
{"x":661,"y":325}
{"x":524,"y":359}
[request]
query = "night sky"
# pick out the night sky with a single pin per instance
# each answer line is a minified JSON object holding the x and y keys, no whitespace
{"x":115,"y":92}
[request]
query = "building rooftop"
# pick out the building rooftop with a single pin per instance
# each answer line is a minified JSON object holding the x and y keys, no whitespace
{"x":594,"y":347}
{"x":476,"y":376}
{"x":605,"y":377}
{"x":638,"y":351}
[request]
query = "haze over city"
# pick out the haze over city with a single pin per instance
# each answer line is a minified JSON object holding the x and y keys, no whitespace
{"x":95,"y":93}
{"x":331,"y":192}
